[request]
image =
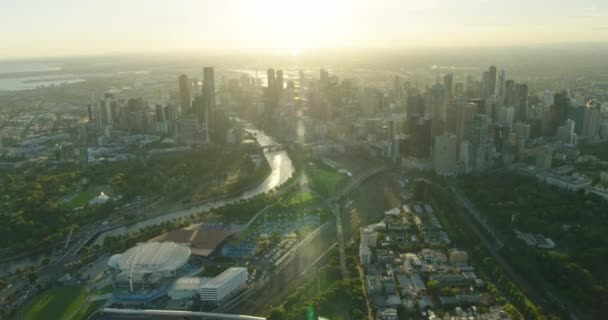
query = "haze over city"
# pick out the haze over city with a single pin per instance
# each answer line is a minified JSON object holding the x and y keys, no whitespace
{"x":37,"y":28}
{"x":289,"y":160}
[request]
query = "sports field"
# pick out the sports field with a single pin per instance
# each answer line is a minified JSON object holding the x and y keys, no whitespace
{"x":56,"y":303}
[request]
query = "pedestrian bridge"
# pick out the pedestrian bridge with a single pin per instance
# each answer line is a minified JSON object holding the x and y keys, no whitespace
{"x":179,"y":313}
{"x":273,"y":147}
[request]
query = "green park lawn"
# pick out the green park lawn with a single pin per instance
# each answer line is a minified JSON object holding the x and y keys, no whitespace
{"x":89,"y":308}
{"x":57,"y":303}
{"x":324,"y":180}
{"x":79,"y":200}
{"x":300,"y":198}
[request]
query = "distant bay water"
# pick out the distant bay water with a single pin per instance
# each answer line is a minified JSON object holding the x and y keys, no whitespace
{"x":17,"y":75}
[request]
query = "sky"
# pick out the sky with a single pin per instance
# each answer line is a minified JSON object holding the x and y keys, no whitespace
{"x":39,"y":28}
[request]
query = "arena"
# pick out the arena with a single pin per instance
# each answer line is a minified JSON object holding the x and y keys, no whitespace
{"x":147,"y":271}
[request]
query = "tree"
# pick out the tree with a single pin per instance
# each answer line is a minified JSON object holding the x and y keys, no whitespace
{"x":277,"y":314}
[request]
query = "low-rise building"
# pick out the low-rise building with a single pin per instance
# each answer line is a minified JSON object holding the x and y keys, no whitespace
{"x":219,"y":288}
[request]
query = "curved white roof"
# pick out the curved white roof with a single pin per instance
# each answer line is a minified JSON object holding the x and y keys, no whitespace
{"x":101,"y":198}
{"x":149,"y":257}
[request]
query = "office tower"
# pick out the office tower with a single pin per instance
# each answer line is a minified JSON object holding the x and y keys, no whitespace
{"x":522,"y":130}
{"x":107,"y":109}
{"x":161,"y":119}
{"x":464,"y":157}
{"x":84,"y":154}
{"x":209,"y":100}
{"x":566,"y":132}
{"x":508,"y":115}
{"x":492,"y":107}
{"x":171,"y":114}
{"x":450,"y":116}
{"x":279,"y":82}
{"x":543,"y":158}
{"x":97,"y":114}
{"x":444,"y":154}
{"x":500,"y":84}
{"x":458,"y":89}
{"x":187,"y":131}
{"x":270,"y":78}
{"x":520,"y":101}
{"x":464,"y":115}
{"x":536,"y":127}
{"x":415,"y":103}
{"x":485,"y":84}
{"x":90,"y":112}
{"x":436,"y":102}
{"x":448,"y":84}
{"x":422,"y":138}
{"x":492,"y":81}
{"x":576,"y":113}
{"x":559,"y":110}
{"x":478,"y":138}
{"x":501,"y":133}
{"x":323,"y":79}
{"x":547,"y":98}
{"x":397,"y":89}
{"x":591,"y":122}
{"x":480,"y":106}
{"x":471,"y":87}
{"x":185,"y":96}
{"x":508,"y":94}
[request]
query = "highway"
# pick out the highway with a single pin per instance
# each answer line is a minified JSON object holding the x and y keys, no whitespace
{"x":474,"y":213}
{"x":334,"y":204}
{"x":474,"y":219}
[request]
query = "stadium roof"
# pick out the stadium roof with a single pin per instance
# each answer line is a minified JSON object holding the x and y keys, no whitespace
{"x":201,"y":242}
{"x":150,"y":257}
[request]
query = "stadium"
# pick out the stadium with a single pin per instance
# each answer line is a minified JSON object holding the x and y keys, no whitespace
{"x":147,"y":271}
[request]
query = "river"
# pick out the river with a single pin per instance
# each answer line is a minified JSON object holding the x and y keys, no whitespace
{"x":281,"y":170}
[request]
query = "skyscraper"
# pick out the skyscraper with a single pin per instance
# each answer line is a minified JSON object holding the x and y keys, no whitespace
{"x":84,"y":154}
{"x":448,"y":84}
{"x":492,"y":83}
{"x":485,"y":84}
{"x":436,"y":102}
{"x":444,"y":154}
{"x":478,"y":137}
{"x":559,"y":110}
{"x":520,"y":101}
{"x":208,"y":98}
{"x":278,"y":85}
{"x":591,"y":122}
{"x":508,"y":93}
{"x":185,"y":96}
{"x":500,"y":84}
{"x":464,"y":115}
{"x":397,"y":89}
{"x":270,"y":76}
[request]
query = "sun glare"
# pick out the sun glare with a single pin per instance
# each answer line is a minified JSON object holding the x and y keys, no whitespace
{"x":295,"y":25}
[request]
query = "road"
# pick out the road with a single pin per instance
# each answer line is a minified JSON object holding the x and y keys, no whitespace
{"x":340,"y":236}
{"x":334,"y":204}
{"x":475,"y":215}
{"x":474,"y":219}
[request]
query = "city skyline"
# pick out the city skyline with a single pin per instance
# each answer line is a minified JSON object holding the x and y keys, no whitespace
{"x":36,"y":29}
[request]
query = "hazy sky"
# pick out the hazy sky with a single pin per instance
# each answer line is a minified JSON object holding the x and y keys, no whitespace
{"x":30,"y":28}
